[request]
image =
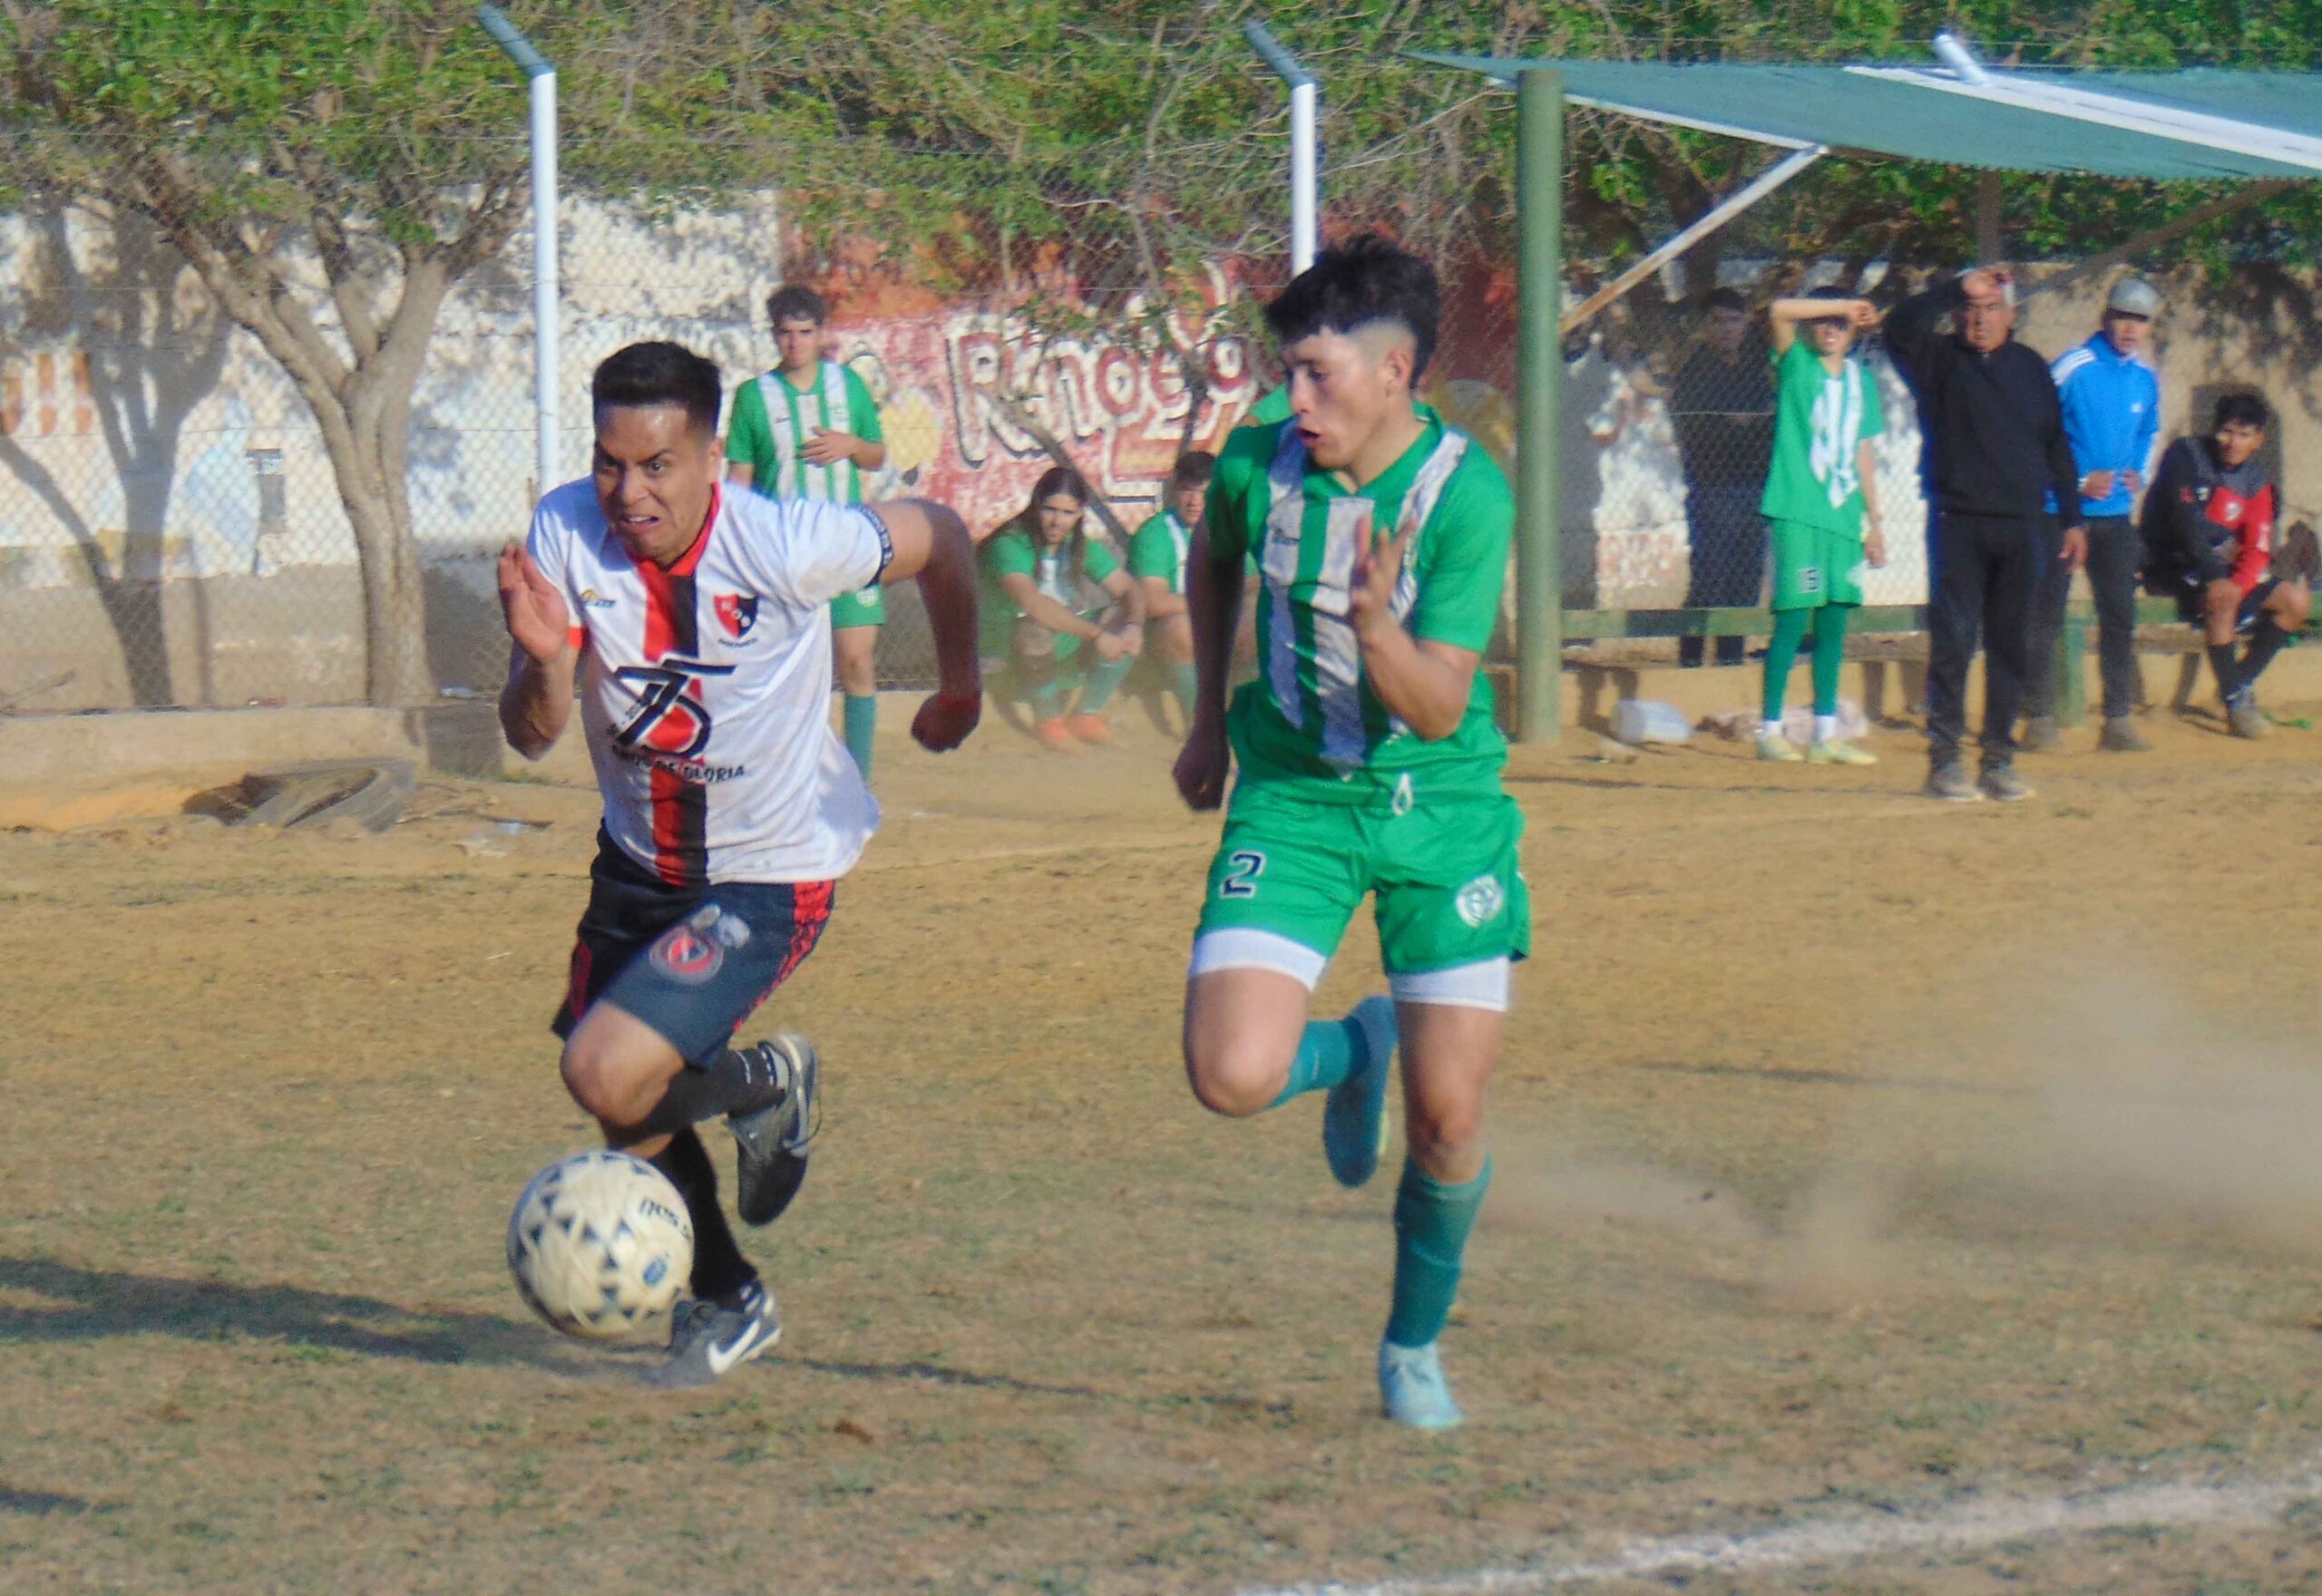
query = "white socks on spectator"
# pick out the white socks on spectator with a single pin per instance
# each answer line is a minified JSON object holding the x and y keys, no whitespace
{"x":1826,"y":728}
{"x":1770,"y":728}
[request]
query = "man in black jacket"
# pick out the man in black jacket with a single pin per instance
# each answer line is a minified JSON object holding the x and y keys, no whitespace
{"x":1995,"y":435}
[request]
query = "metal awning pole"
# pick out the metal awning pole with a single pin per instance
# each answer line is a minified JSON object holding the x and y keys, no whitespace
{"x":1717,"y":215}
{"x":1305,"y":111}
{"x":545,"y":296}
{"x":1539,"y":414}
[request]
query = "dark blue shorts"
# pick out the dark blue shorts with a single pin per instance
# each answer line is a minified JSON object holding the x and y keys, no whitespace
{"x":691,"y":962}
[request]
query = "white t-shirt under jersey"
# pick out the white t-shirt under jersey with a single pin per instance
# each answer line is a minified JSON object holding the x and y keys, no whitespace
{"x":704,"y":688}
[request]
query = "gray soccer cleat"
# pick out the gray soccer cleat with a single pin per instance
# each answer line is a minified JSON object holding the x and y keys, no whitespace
{"x":2121,"y":735}
{"x":770,"y":1163}
{"x":1950,"y":783}
{"x":2243,"y":716}
{"x":2041,"y":733}
{"x":709,"y":1339}
{"x":2001,"y":784}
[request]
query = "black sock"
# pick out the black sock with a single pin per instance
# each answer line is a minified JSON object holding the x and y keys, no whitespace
{"x":736,"y":1080}
{"x":2229,"y":673}
{"x":719,"y":1270}
{"x":2265,"y":641}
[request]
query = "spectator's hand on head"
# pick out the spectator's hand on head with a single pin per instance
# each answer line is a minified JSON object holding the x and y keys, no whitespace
{"x":1986,"y":282}
{"x":1862,"y":313}
{"x":2096,"y":484}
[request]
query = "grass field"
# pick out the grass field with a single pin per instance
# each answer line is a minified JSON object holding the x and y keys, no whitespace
{"x":1866,"y":1164}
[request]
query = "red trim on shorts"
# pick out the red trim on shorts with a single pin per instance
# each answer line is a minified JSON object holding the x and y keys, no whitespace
{"x":810,"y":911}
{"x":576,"y":986}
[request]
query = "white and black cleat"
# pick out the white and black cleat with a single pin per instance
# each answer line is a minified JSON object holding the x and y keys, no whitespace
{"x":708,"y":1340}
{"x":774,"y":1141}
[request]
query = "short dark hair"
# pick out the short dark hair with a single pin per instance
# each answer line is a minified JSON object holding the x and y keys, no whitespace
{"x":1724,"y":299}
{"x":2242,"y":410}
{"x":659,"y":373}
{"x":1369,"y":279}
{"x":1193,"y":469}
{"x":795,"y":303}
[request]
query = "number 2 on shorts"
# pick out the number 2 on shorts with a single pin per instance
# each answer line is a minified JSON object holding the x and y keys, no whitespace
{"x":1240,"y":881}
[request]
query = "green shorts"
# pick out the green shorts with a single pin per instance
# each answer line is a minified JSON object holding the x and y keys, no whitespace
{"x":1443,"y":875}
{"x":1814,"y":566}
{"x":866,"y":608}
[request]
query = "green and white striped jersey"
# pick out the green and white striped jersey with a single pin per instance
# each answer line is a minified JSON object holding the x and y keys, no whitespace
{"x":772,"y":422}
{"x":1310,"y":718}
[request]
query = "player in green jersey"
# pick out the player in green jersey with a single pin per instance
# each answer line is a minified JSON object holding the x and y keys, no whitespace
{"x":809,"y":429}
{"x":1157,"y":555}
{"x":1049,"y":587}
{"x":1368,"y":765}
{"x":1822,"y":506}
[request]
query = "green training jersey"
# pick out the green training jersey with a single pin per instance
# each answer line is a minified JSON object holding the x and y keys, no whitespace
{"x":773,"y":419}
{"x":1159,"y":548}
{"x":1311,"y":718}
{"x":1009,"y":551}
{"x":1821,"y":419}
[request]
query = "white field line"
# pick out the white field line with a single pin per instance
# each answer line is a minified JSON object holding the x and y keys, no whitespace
{"x":1968,"y":1526}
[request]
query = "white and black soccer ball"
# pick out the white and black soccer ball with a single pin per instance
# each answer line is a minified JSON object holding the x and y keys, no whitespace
{"x":599,"y":1242}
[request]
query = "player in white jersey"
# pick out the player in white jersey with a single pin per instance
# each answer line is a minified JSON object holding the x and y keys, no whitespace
{"x":695,"y":625}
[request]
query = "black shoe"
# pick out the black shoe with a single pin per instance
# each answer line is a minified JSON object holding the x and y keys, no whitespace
{"x":2121,"y":735}
{"x":2041,"y":733}
{"x":773,"y":1141}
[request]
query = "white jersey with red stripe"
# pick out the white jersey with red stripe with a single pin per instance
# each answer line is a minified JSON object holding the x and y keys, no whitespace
{"x":704,"y":688}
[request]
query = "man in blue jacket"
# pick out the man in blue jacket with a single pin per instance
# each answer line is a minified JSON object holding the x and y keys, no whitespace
{"x":2112,"y":402}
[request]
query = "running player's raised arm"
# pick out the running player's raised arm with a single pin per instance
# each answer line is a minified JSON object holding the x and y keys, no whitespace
{"x":538,"y":699}
{"x":1424,"y":671}
{"x":929,"y":543}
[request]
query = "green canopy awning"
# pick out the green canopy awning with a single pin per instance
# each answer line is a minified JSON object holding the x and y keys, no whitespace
{"x":2178,"y":126}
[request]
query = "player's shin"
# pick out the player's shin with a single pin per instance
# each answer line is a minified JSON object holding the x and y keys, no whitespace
{"x":719,"y":1270}
{"x":738,"y":1081}
{"x":2265,"y":640}
{"x":1432,"y":1222}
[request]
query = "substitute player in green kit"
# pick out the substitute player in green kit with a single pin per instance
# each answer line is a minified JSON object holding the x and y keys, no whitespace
{"x":1822,"y":506}
{"x":809,"y":429}
{"x":1368,"y":766}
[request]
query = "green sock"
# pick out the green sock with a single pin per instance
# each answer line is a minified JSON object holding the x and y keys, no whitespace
{"x":1789,"y":631}
{"x":861,"y":719}
{"x":1829,"y":655}
{"x":1102,"y":677}
{"x":1183,"y":681}
{"x":1326,"y":1055}
{"x":1431,"y":1225}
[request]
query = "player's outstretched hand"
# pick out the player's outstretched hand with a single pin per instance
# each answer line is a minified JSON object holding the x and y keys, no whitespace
{"x":531,"y":607}
{"x":943,"y":723}
{"x":1373,"y":595}
{"x":1203,"y":765}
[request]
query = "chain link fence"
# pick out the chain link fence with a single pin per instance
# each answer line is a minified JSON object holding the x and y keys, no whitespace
{"x":174,"y":531}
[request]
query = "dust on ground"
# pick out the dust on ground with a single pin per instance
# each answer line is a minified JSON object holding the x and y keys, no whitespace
{"x":1857,"y":1154}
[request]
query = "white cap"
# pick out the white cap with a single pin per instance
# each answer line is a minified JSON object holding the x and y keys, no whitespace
{"x":2134,"y":296}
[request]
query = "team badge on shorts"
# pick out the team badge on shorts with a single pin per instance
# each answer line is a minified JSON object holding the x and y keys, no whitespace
{"x":690,"y":953}
{"x":1481,"y":900}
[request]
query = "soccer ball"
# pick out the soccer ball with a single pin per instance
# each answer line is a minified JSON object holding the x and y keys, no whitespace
{"x":598,"y":1244}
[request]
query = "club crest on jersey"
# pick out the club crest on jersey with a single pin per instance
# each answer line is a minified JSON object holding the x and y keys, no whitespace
{"x":686,"y":956}
{"x":671,"y":718}
{"x":738,"y":613}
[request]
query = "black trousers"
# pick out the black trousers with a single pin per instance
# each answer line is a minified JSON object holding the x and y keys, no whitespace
{"x":1988,"y":568}
{"x":2115,"y":550}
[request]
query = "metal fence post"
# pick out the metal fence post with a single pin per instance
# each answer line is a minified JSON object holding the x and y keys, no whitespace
{"x":1539,"y":533}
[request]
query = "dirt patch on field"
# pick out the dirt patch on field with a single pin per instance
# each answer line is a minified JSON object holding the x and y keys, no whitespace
{"x":1858,"y":1155}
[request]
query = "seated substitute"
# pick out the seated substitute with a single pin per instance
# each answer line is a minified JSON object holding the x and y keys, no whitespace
{"x":1049,"y":587}
{"x":1156,"y":559}
{"x":2208,"y":542}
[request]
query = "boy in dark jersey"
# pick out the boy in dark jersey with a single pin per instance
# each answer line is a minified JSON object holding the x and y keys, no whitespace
{"x":2209,"y":539}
